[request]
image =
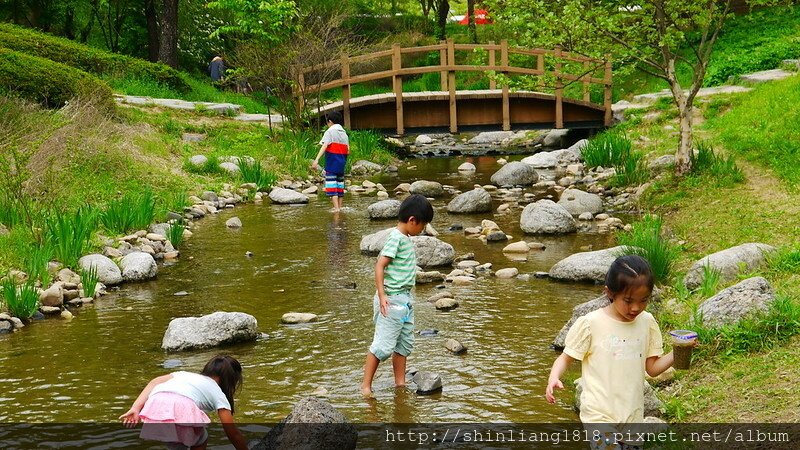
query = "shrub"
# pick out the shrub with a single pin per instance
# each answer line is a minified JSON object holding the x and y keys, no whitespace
{"x":89,"y":59}
{"x":131,"y":212}
{"x":607,"y":149}
{"x":69,"y":234}
{"x":22,"y":301}
{"x":175,"y":232}
{"x":251,"y":171}
{"x":89,"y":281}
{"x":645,"y":240}
{"x":705,"y":162}
{"x":50,"y":83}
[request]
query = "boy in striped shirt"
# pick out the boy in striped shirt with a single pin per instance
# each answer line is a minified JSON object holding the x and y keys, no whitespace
{"x":335,"y":145}
{"x":395,"y":275}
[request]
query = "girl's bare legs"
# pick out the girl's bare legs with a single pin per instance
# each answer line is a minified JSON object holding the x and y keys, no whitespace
{"x":370,"y":367}
{"x":399,"y":368}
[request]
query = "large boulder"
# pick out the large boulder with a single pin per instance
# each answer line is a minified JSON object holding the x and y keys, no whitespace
{"x":546,"y":217}
{"x":312,"y":424}
{"x":212,"y":330}
{"x":363,"y":167}
{"x":542,"y":160}
{"x":586,"y":266}
{"x":430,"y":251}
{"x":138,"y":266}
{"x":729,"y":262}
{"x":283,"y":196}
{"x":108,"y":273}
{"x":52,"y":296}
{"x":578,"y":202}
{"x":474,"y":201}
{"x":491,"y":137}
{"x":555,"y":138}
{"x":515,"y":173}
{"x":427,"y":382}
{"x":734,"y":303}
{"x":427,"y":188}
{"x":384,"y":209}
{"x":578,"y":311}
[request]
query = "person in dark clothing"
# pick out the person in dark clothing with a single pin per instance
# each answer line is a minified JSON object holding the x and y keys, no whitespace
{"x":216,"y":69}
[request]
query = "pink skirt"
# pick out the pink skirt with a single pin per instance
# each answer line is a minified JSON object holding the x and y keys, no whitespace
{"x":170,"y":417}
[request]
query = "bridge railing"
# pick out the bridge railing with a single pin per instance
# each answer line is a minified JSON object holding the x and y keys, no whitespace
{"x":448,"y":66}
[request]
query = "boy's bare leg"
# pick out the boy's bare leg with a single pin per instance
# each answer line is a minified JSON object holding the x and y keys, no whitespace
{"x":339,"y":202}
{"x":370,"y":367}
{"x":399,"y":368}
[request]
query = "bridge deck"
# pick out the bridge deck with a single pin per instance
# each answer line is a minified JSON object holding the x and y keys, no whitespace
{"x":476,"y":110}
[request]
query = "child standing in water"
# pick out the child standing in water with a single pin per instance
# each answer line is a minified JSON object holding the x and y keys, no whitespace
{"x":395,"y":275}
{"x":616,"y":345}
{"x":172,"y":406}
{"x":335,"y":145}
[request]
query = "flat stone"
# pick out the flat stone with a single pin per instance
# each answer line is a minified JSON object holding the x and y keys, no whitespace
{"x":295,"y":318}
{"x":446,"y":304}
{"x":454,"y":346}
{"x":427,"y":382}
{"x":510,"y":272}
{"x":212,"y":330}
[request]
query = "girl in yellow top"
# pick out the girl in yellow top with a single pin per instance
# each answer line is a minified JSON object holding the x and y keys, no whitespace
{"x":616,"y":345}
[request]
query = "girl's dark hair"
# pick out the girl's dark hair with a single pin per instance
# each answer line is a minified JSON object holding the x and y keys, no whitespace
{"x":629,"y":271}
{"x":229,"y":372}
{"x":417,"y":206}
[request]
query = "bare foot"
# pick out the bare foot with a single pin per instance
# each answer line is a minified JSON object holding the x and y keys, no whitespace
{"x":400,"y":386}
{"x":366,"y":391}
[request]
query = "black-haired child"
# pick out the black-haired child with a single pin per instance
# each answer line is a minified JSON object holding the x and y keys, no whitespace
{"x":395,"y":275}
{"x":335,"y":145}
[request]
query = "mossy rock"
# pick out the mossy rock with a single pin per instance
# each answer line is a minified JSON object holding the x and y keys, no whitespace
{"x":91,"y":60}
{"x":50,"y":83}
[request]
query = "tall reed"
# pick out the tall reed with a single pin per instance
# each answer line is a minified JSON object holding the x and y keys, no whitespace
{"x":646,"y":240}
{"x":22,"y":301}
{"x":131,"y":212}
{"x":607,"y":149}
{"x":69,"y":234}
{"x":89,"y":279}
{"x":37,"y":262}
{"x":251,"y":171}
{"x":175,"y":232}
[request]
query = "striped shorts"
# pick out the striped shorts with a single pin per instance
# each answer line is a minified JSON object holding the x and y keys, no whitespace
{"x":334,"y":184}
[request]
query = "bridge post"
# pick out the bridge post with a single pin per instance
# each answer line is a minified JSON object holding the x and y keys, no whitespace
{"x":492,"y":81}
{"x":506,"y":103}
{"x":443,"y":63}
{"x":587,"y":74}
{"x":451,"y":84}
{"x":397,"y":79}
{"x":559,"y":89}
{"x":607,"y":93}
{"x":346,"y":90}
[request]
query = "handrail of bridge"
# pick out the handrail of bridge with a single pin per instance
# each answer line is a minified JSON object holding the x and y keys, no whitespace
{"x":448,"y":67}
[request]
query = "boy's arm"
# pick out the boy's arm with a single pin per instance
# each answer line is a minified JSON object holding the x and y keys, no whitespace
{"x":380,"y":267}
{"x":315,"y":164}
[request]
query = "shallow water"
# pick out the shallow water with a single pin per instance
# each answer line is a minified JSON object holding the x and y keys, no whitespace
{"x":91,"y":368}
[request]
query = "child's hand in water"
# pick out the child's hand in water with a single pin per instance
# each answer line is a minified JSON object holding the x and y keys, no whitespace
{"x":552,"y":384}
{"x":130,"y":418}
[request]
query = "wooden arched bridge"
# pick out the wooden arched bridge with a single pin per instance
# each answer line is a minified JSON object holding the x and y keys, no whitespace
{"x":560,"y":77}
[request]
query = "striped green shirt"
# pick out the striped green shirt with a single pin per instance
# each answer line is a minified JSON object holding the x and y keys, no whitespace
{"x":401,"y":274}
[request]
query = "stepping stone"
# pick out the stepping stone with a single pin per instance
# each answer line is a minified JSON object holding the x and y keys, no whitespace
{"x":294,"y":318}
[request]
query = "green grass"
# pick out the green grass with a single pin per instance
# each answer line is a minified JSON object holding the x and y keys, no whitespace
{"x":89,"y":281}
{"x":69,"y":234}
{"x":646,"y":240}
{"x":134,"y":211}
{"x":763,"y":126}
{"x":607,"y":149}
{"x":22,"y":301}
{"x":37,"y":260}
{"x":722,"y":169}
{"x":253,"y":172}
{"x":175,"y":233}
{"x":711,"y":280}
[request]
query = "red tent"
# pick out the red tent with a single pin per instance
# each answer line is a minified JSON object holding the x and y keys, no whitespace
{"x":481,"y":18}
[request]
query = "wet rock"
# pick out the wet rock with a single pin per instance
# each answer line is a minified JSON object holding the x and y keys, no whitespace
{"x":68,"y":276}
{"x":403,"y":187}
{"x":578,"y":202}
{"x":52,"y":296}
{"x":181,"y":294}
{"x":515,"y":173}
{"x":172,"y":363}
{"x":462,"y":280}
{"x":310,"y":190}
{"x":542,"y":160}
{"x":438,"y":295}
{"x":66,"y":315}
{"x":472,"y":230}
{"x":474,"y":201}
{"x":428,"y":333}
{"x":586,"y":216}
{"x":432,"y":252}
{"x":467,"y":263}
{"x":50,"y":309}
{"x":6,"y":327}
{"x":467,"y":167}
{"x":491,"y":137}
{"x":427,"y":382}
{"x":546,"y":217}
{"x":312,"y":424}
{"x":108,"y":272}
{"x":555,"y":138}
{"x":729,"y":263}
{"x":295,"y":318}
{"x":427,"y":188}
{"x":454,"y":346}
{"x":516,"y":247}
{"x":429,"y":231}
{"x":363,"y":167}
{"x":446,"y":304}
{"x":71,"y":294}
{"x":283,"y":196}
{"x":429,"y":277}
{"x":384,"y":209}
{"x":219,"y":328}
{"x":496,"y":236}
{"x":586,"y":266}
{"x":510,"y":272}
{"x":423,"y":139}
{"x":736,"y":302}
{"x":138,"y":266}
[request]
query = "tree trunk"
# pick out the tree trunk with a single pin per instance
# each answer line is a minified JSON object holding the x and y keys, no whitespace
{"x":683,"y":163}
{"x":168,"y":42}
{"x":473,"y":33}
{"x":152,"y":30}
{"x":441,"y":19}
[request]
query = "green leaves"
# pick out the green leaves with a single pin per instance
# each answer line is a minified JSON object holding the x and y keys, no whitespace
{"x":269,"y":21}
